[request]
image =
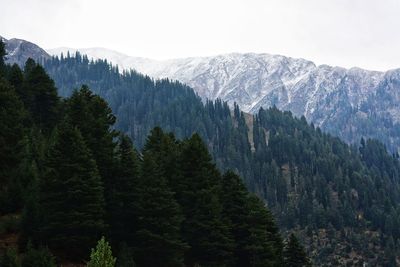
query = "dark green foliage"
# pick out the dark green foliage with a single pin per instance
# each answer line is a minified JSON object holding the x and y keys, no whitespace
{"x":158,"y":219}
{"x":173,"y":208}
{"x":123,"y":193}
{"x":39,"y":95}
{"x":257,"y":239}
{"x":310,"y":180}
{"x":294,"y":255}
{"x":94,"y":119}
{"x":16,"y":78}
{"x":12,"y":116}
{"x":2,"y":58}
{"x":71,"y":195}
{"x":10,"y":258}
{"x":40,"y":257}
{"x":198,"y":196}
{"x":125,"y":257}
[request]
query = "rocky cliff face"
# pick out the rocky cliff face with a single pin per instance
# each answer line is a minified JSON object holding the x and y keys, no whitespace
{"x":18,"y":51}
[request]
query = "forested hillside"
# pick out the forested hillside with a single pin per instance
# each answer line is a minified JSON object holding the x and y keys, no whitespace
{"x":342,"y":200}
{"x":68,"y":177}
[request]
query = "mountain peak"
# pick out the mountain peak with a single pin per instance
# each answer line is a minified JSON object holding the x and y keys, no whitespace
{"x":19,"y":50}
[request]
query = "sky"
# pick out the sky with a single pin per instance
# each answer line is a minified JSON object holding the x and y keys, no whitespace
{"x":347,"y":33}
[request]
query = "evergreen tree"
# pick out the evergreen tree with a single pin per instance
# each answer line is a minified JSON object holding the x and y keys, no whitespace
{"x":165,"y":149}
{"x":38,"y":257}
{"x":203,"y":228}
{"x":294,"y":254}
{"x":157,"y":238}
{"x":16,"y":79}
{"x":264,"y":244}
{"x":2,"y":57}
{"x":122,"y":213}
{"x":12,"y":116}
{"x":102,"y":255}
{"x":9,"y":258}
{"x":94,"y":119}
{"x":40,"y":96}
{"x":71,"y":195}
{"x":256,"y":236}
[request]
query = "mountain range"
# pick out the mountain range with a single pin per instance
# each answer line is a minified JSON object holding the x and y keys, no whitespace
{"x":348,"y":103}
{"x":341,"y":200}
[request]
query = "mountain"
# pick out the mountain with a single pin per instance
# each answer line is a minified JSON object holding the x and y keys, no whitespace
{"x":343,"y":201}
{"x":349,"y":103}
{"x":18,"y":51}
{"x":338,"y":198}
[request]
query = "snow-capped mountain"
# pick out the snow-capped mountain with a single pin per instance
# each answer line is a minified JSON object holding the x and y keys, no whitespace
{"x":18,"y":51}
{"x":349,"y":103}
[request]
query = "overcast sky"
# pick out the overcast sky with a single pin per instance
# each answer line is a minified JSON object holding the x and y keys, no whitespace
{"x":363,"y":33}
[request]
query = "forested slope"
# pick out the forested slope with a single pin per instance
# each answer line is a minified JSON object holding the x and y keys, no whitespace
{"x":68,"y":178}
{"x":343,"y":200}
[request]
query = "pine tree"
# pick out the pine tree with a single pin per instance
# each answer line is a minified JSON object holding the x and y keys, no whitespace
{"x":122,"y":202}
{"x":294,"y":254}
{"x":203,"y":229}
{"x":256,"y":236}
{"x":9,"y":258}
{"x":235,"y":210}
{"x":40,"y":96}
{"x":71,"y":195}
{"x":40,"y":257}
{"x":12,"y":117}
{"x":264,"y":244}
{"x":102,"y":255}
{"x":165,"y":149}
{"x":157,"y":236}
{"x":2,"y":58}
{"x":94,"y":119}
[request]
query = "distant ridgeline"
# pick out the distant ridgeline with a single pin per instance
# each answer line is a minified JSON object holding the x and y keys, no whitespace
{"x":345,"y":197}
{"x":342,"y":200}
{"x":68,"y":178}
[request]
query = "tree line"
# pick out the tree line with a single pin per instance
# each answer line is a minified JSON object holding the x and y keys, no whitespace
{"x":71,"y":178}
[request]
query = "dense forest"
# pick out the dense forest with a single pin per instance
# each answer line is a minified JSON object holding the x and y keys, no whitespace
{"x":68,"y":177}
{"x":342,"y":200}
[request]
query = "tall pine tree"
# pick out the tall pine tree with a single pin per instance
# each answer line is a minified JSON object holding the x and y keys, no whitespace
{"x":122,"y":214}
{"x":71,"y":196}
{"x":204,"y":230}
{"x":157,"y":238}
{"x":294,"y":254}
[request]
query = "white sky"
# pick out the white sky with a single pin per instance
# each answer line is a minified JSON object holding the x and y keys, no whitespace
{"x":364,"y":33}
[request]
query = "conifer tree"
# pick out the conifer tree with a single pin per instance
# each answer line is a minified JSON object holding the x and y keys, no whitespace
{"x":9,"y":258}
{"x":102,"y":256}
{"x":122,"y":214}
{"x":264,"y":244}
{"x":94,"y":119}
{"x":294,"y":254}
{"x":71,"y":195}
{"x":164,"y":147}
{"x":234,"y":196}
{"x":40,"y":97}
{"x":12,"y":117}
{"x":2,"y":58}
{"x":203,"y":229}
{"x":40,"y":257}
{"x":157,"y":238}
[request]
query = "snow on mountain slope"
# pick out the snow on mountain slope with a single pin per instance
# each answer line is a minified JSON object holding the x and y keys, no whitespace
{"x":349,"y":103}
{"x":18,"y":51}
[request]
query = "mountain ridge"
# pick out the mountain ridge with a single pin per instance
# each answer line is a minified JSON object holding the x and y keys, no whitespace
{"x":349,"y":103}
{"x":339,"y":100}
